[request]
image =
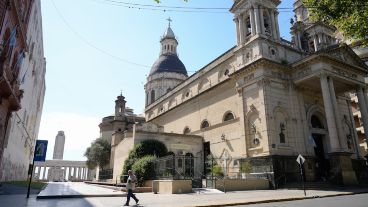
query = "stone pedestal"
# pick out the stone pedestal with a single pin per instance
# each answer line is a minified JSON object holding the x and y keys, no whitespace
{"x":341,"y":169}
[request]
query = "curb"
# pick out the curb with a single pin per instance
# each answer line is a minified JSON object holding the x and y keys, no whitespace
{"x":79,"y":196}
{"x":281,"y":200}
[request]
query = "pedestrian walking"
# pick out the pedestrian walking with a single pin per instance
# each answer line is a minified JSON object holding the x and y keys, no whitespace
{"x":130,"y":186}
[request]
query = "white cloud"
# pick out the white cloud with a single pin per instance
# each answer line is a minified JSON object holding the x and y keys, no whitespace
{"x":79,"y":131}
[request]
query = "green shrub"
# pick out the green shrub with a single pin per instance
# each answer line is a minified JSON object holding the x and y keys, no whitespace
{"x":146,"y":147}
{"x":217,"y":170}
{"x":144,"y":169}
{"x":245,"y":167}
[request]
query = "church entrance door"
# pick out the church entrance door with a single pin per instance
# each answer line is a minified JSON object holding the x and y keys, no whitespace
{"x":321,"y":161}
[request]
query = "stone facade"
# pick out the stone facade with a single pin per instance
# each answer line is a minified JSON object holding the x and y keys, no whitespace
{"x":22,"y":52}
{"x":123,"y":119}
{"x":268,"y":100}
{"x":176,"y":143}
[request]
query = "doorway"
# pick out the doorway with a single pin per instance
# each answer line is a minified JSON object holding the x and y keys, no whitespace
{"x":322,"y":164}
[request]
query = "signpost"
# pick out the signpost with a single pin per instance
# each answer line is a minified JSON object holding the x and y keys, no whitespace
{"x":301,"y":161}
{"x":40,"y":156}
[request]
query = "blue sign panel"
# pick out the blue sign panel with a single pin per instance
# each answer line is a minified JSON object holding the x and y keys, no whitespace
{"x":40,"y":150}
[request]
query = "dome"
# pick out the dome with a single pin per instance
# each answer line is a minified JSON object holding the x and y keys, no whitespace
{"x":168,"y":63}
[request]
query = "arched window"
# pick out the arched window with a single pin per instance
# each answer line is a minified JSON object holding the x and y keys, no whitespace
{"x":205,"y":124}
{"x":186,"y":130}
{"x":267,"y":23}
{"x":316,"y":122}
{"x":189,"y":164}
{"x":229,"y":116}
{"x":248,"y":24}
{"x":152,"y":96}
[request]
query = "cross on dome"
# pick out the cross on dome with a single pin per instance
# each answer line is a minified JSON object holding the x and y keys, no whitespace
{"x":169,"y":20}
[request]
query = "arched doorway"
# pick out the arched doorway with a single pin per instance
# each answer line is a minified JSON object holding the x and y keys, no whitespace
{"x":318,"y":136}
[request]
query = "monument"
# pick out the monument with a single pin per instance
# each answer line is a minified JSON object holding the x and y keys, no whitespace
{"x":59,"y":146}
{"x":59,"y":170}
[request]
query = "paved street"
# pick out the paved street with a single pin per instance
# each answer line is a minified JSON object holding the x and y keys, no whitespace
{"x":360,"y":200}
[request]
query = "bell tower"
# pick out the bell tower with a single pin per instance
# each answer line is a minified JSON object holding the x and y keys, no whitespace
{"x":310,"y":36}
{"x":256,"y":18}
{"x":120,"y":107}
{"x":168,"y":41}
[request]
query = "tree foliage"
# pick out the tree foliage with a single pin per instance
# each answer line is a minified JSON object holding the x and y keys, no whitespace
{"x":147,"y":147}
{"x":349,"y":16}
{"x":144,"y":168}
{"x":98,"y":154}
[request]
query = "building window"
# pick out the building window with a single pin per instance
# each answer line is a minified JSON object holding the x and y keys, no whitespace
{"x":186,"y":130}
{"x":229,"y":116}
{"x":152,"y":96}
{"x":248,"y":24}
{"x":282,"y":135}
{"x":267,"y":25}
{"x":205,"y":124}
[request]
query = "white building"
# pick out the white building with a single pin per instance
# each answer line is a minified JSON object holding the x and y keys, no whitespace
{"x":24,"y":124}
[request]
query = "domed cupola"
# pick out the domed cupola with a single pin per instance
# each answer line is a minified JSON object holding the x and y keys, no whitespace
{"x":168,"y":71}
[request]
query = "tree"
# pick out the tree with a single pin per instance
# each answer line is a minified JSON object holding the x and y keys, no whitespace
{"x":349,"y":16}
{"x":144,"y":169}
{"x":98,"y":154}
{"x":147,"y":147}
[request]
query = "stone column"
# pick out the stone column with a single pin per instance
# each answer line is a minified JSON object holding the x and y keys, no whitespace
{"x":315,"y":42}
{"x":70,"y":173}
{"x":82,"y":171}
{"x":73,"y":174}
{"x":236,"y":20}
{"x":241,"y":28}
{"x":363,"y":110}
{"x":86,"y":174}
{"x":277,"y":24}
{"x":252,"y":21}
{"x":257,"y":19}
{"x":44,"y":173}
{"x":273,"y":23}
{"x":331,"y":124}
{"x":79,"y":173}
{"x":34,"y":171}
{"x":365,"y":97}
{"x":341,"y":134}
{"x":354,"y":132}
{"x":37,"y":177}
{"x":261,"y":19}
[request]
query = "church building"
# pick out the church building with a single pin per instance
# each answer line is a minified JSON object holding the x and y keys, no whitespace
{"x":267,"y":99}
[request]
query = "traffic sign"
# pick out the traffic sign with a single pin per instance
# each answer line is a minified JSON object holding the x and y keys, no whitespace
{"x":300,"y":159}
{"x":40,"y":150}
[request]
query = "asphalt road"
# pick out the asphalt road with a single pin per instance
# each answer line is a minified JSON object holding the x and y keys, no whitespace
{"x":360,"y":200}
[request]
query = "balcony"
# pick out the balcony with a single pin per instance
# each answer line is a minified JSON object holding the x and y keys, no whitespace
{"x":9,"y":90}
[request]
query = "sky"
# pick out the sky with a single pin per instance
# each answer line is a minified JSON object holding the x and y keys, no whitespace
{"x":95,"y":49}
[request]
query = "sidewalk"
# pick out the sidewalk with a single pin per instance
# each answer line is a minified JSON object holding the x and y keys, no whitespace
{"x":100,"y":197}
{"x":76,"y":190}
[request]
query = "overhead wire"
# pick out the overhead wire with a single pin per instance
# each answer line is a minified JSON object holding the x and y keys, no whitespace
{"x":92,"y":45}
{"x":176,"y":8}
{"x":99,"y":49}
